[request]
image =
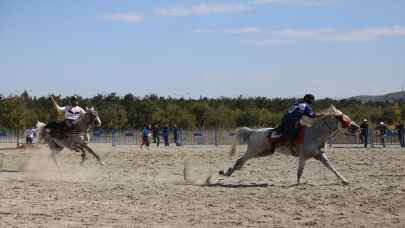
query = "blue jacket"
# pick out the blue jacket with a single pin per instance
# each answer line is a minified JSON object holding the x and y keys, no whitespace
{"x":145,"y":132}
{"x":298,"y":110}
{"x":293,"y":116}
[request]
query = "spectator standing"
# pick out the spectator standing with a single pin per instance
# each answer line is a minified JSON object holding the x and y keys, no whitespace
{"x":364,"y":132}
{"x":383,"y":131}
{"x":29,"y":135}
{"x":401,"y":131}
{"x":165,"y":135}
{"x":145,"y":136}
{"x":156,"y":134}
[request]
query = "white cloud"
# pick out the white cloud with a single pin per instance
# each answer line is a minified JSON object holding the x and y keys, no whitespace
{"x":293,"y":2}
{"x":242,"y":30}
{"x":363,"y":35}
{"x":322,"y":34}
{"x":273,"y":42}
{"x":202,"y":9}
{"x":200,"y":30}
{"x":124,"y":17}
{"x":264,"y":2}
{"x":208,"y":8}
{"x":332,"y":35}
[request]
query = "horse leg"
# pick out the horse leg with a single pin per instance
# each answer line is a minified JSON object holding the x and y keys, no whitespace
{"x":326,"y":162}
{"x":301,"y":165}
{"x":238,"y":165}
{"x":85,"y":146}
{"x":83,"y":155}
{"x":55,"y":149}
{"x":53,"y":157}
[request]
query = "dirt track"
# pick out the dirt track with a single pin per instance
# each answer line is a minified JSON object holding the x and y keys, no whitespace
{"x":140,"y":188}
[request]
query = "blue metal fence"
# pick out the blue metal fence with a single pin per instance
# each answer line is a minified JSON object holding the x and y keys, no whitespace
{"x":189,"y":137}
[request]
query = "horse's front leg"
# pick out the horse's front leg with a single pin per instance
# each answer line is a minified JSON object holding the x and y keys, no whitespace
{"x":85,"y":146}
{"x":55,"y":149}
{"x":83,"y":155}
{"x":324,"y":159}
{"x":53,"y":157}
{"x":301,"y":165}
{"x":238,"y":165}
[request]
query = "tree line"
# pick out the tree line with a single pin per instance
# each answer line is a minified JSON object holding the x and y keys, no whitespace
{"x":18,"y":112}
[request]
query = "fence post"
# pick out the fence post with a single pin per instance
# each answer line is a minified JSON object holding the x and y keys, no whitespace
{"x":113,"y":137}
{"x":371,"y":139}
{"x":216,"y":137}
{"x":1,"y":161}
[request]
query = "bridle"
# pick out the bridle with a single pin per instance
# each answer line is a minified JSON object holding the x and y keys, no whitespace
{"x":330,"y":128}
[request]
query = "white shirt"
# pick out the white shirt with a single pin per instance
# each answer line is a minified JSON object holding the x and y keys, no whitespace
{"x":30,"y":132}
{"x":72,"y":113}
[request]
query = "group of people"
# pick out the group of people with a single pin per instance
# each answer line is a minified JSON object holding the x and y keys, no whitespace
{"x":288,"y":129}
{"x":155,"y":132}
{"x":381,"y":129}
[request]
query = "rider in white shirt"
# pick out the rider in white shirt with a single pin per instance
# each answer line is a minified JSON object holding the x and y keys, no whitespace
{"x":72,"y":112}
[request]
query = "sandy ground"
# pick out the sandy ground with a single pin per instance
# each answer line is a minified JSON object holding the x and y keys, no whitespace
{"x":146,"y":188}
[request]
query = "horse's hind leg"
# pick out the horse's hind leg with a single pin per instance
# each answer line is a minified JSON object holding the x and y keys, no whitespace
{"x":238,"y":165}
{"x":55,"y":149}
{"x":326,"y":162}
{"x":93,"y":153}
{"x":83,"y":155}
{"x":53,"y":157}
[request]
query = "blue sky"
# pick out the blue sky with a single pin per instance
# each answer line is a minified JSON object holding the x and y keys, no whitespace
{"x":272,"y":48}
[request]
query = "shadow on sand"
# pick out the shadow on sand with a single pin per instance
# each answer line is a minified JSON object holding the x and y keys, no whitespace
{"x":9,"y":148}
{"x":309,"y":185}
{"x":10,"y":171}
{"x":238,"y":185}
{"x":231,"y":185}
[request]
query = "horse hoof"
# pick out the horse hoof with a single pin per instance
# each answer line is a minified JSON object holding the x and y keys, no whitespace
{"x":345,"y":183}
{"x":221,"y":173}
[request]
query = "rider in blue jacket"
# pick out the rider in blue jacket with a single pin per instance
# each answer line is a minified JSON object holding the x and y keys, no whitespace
{"x":291,"y":121}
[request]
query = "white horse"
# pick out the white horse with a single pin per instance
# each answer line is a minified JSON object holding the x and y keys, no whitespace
{"x":57,"y":138}
{"x":314,"y":138}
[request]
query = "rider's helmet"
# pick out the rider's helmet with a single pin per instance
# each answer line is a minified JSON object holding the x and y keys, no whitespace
{"x":309,"y":98}
{"x":74,"y":99}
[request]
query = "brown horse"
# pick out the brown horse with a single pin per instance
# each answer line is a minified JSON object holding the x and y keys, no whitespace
{"x":76,"y":139}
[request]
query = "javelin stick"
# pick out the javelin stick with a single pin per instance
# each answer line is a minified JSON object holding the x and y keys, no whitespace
{"x":55,"y":105}
{"x":52,"y":99}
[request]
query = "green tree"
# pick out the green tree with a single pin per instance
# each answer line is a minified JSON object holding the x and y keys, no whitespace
{"x":396,"y":108}
{"x":221,"y":118}
{"x":174,"y":114}
{"x":200,"y":110}
{"x":15,"y":116}
{"x":114,"y":116}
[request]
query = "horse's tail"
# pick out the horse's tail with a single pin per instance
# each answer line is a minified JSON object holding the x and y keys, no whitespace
{"x":40,"y":129}
{"x":242,"y":136}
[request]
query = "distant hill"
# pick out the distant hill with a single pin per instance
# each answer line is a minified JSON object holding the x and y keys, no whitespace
{"x":390,"y":97}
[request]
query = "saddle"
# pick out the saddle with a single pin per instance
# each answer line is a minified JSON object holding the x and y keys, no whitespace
{"x":277,"y":138}
{"x":61,"y":129}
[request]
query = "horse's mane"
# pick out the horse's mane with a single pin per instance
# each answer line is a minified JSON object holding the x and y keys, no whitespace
{"x":331,"y":111}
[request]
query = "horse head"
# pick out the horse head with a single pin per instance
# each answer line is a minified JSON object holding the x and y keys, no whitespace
{"x":342,"y":120}
{"x":92,"y":117}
